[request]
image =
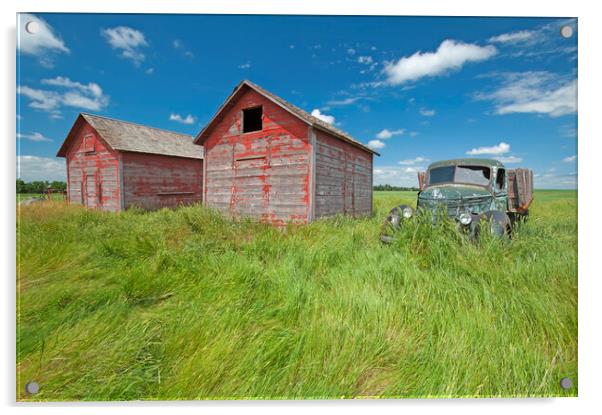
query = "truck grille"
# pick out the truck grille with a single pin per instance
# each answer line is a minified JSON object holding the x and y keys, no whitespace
{"x":453,"y":207}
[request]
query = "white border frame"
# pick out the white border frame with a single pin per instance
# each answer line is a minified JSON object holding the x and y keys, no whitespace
{"x":590,"y":347}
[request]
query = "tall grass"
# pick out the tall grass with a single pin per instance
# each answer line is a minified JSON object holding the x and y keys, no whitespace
{"x":185,"y":304}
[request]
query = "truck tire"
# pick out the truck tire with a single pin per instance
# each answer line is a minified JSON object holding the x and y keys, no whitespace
{"x":497,"y":222}
{"x":392,"y":223}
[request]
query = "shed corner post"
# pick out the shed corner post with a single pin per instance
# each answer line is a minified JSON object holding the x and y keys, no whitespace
{"x":311,"y":214}
{"x":121,"y":182}
{"x":68,"y":187}
{"x":204,"y":179}
{"x":371,"y":184}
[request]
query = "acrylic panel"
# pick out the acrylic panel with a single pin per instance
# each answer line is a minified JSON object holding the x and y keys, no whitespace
{"x":295,"y":207}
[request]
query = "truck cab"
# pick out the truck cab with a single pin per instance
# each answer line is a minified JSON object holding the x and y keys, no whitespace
{"x":470,"y":191}
{"x":459,"y":186}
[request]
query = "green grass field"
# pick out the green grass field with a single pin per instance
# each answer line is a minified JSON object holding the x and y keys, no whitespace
{"x":184,"y":304}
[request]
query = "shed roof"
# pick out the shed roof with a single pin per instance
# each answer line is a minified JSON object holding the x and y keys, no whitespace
{"x":294,"y":110}
{"x":128,"y":136}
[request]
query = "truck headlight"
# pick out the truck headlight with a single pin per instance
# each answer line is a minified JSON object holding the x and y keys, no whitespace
{"x":465,"y":218}
{"x":407,"y":212}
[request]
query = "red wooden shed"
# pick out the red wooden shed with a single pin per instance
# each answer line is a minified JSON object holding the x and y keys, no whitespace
{"x":113,"y":165}
{"x":267,"y":159}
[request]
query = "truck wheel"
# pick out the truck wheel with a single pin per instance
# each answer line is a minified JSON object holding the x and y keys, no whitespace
{"x":497,"y":222}
{"x":392,"y":224}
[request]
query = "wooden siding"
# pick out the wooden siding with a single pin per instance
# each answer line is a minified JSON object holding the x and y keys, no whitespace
{"x":343,"y":178}
{"x":153,"y":181}
{"x":520,"y":189}
{"x":261,"y":174}
{"x":92,"y":171}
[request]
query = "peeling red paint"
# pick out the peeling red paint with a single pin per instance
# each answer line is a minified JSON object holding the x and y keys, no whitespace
{"x":102,"y":178}
{"x":280,"y":188}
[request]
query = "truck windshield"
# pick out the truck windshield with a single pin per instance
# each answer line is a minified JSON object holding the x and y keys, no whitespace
{"x":479,"y":175}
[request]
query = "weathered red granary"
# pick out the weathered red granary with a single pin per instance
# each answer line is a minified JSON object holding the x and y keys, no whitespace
{"x":113,"y":165}
{"x":267,"y":159}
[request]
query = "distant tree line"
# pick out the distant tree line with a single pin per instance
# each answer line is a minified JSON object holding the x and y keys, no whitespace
{"x":388,"y":187}
{"x":39,"y":186}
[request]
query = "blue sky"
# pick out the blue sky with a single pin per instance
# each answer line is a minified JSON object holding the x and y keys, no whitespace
{"x":417,"y":89}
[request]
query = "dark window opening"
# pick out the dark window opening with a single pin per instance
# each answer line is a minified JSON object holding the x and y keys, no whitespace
{"x":478,"y":175}
{"x":473,"y":175}
{"x":252,"y":119}
{"x":500,"y":179}
{"x":441,"y":175}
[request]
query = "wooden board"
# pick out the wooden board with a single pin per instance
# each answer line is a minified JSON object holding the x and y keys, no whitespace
{"x":520,"y":190}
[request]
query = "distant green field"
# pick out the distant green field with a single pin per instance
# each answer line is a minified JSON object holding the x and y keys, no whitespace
{"x":185,"y":304}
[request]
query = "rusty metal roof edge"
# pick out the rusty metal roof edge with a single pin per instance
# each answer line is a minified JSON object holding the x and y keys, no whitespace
{"x":287,"y":106}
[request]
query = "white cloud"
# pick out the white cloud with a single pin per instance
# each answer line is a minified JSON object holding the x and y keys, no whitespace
{"x":427,"y":112}
{"x":245,"y":65}
{"x":42,"y":43}
{"x":329,"y":119}
{"x":513,"y":37}
{"x":365,"y":60}
{"x":539,"y":42}
{"x":179,"y":45}
{"x":77,"y":100}
{"x":345,"y":101}
{"x":396,"y":175}
{"x":129,"y":41}
{"x":91,"y":88}
{"x":501,"y":148}
{"x":386,"y":134}
{"x":351,"y":51}
{"x":569,"y":159}
{"x":86,"y":96}
{"x":41,"y":100}
{"x":376,"y":144}
{"x":450,"y":55}
{"x":509,"y":159}
{"x":33,"y":137}
{"x":549,"y":180}
{"x":150,"y":71}
{"x":189,"y":119}
{"x":534,"y":92}
{"x":411,"y":170}
{"x":411,"y":162}
{"x":31,"y":168}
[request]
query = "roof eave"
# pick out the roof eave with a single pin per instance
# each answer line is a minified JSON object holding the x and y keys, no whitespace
{"x":67,"y":141}
{"x":200,"y":139}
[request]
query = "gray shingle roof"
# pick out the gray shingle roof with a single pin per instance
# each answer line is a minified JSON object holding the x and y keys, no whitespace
{"x":127,"y":136}
{"x":303,"y":115}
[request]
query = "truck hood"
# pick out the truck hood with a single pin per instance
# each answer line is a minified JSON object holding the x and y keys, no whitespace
{"x":456,"y":198}
{"x":454,"y":191}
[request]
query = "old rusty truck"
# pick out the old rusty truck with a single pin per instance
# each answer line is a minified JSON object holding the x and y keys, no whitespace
{"x":477,"y":194}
